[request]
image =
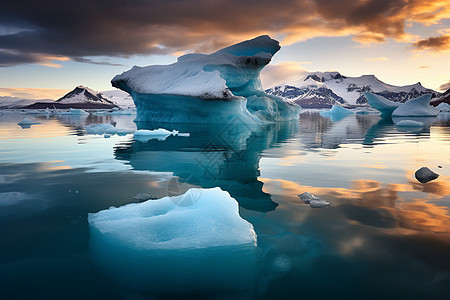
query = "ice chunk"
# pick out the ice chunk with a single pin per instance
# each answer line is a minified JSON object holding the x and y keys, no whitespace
{"x":175,"y":245}
{"x":313,"y":200}
{"x":73,"y":111}
{"x":336,"y":110}
{"x":385,"y":106}
{"x":444,"y":107}
{"x":409,"y":123}
{"x":27,"y":122}
{"x":417,"y":107}
{"x":144,"y":135}
{"x":223,"y":87}
{"x":424,"y":175}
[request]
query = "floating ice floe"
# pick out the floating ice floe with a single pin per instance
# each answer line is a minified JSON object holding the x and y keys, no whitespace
{"x":73,"y":111}
{"x":122,"y":112}
{"x":313,"y":200}
{"x":27,"y":121}
{"x":336,"y":110}
{"x":417,"y":107}
{"x":222,"y":88}
{"x":424,"y":175}
{"x":144,"y":135}
{"x":181,"y":244}
{"x":409,"y":123}
{"x":385,"y":106}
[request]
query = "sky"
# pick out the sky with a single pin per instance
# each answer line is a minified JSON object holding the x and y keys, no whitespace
{"x":48,"y":47}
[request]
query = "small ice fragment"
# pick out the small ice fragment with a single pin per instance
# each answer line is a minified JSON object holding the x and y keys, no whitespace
{"x":313,"y":200}
{"x":27,"y":121}
{"x":185,"y":134}
{"x":424,"y":175}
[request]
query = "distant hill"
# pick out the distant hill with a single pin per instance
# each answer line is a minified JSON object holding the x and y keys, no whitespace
{"x":323,"y":89}
{"x":16,"y":103}
{"x":81,"y":97}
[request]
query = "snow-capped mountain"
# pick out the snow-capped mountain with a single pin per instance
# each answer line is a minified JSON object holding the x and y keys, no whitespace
{"x":119,"y":98}
{"x":320,"y":89}
{"x":82,"y":94}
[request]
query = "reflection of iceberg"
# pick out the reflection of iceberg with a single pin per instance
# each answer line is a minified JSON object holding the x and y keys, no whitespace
{"x":226,"y":156}
{"x":222,"y":88}
{"x":188,"y":244}
{"x":385,"y":106}
{"x":417,"y":107}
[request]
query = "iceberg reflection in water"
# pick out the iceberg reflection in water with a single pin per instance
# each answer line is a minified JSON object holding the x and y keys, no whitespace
{"x":183,"y":245}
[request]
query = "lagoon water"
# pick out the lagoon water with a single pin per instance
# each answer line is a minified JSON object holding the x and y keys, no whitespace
{"x":384,"y":236}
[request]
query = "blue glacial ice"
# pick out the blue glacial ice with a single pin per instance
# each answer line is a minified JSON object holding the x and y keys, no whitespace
{"x":385,"y":106}
{"x":417,"y":107}
{"x":223,"y":87}
{"x":175,"y":245}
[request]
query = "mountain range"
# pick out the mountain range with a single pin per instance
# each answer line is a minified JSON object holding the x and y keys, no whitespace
{"x":80,"y":97}
{"x":323,"y":89}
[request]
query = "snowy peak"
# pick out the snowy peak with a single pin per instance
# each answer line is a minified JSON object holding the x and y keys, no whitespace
{"x":82,"y":94}
{"x":324,"y":76}
{"x":339,"y":89}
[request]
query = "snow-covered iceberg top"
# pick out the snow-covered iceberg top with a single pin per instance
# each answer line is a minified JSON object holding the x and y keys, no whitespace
{"x":200,"y":218}
{"x":202,"y":75}
{"x":174,"y":93}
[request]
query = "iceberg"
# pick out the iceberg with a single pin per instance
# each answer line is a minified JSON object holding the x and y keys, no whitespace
{"x":385,"y":106}
{"x":223,"y":87}
{"x":144,"y":135}
{"x":184,"y":244}
{"x":27,"y":123}
{"x":336,"y":110}
{"x":417,"y":107}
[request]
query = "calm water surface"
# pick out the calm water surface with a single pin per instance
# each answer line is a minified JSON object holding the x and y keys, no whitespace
{"x":385,"y":235}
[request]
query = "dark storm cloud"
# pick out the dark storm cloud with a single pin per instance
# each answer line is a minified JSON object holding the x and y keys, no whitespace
{"x":77,"y":29}
{"x":438,"y":43}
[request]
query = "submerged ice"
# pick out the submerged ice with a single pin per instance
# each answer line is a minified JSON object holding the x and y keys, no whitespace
{"x":179,"y":244}
{"x":223,"y":87}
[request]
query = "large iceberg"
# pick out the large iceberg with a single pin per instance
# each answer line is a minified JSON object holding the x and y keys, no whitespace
{"x":184,"y":244}
{"x":223,"y":87}
{"x":385,"y":106}
{"x":417,"y":107}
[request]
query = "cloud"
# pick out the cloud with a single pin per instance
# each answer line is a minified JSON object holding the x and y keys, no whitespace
{"x":381,"y":58}
{"x":445,"y":86}
{"x":33,"y":93}
{"x":439,"y":43}
{"x":31,"y":30}
{"x":282,"y":73}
